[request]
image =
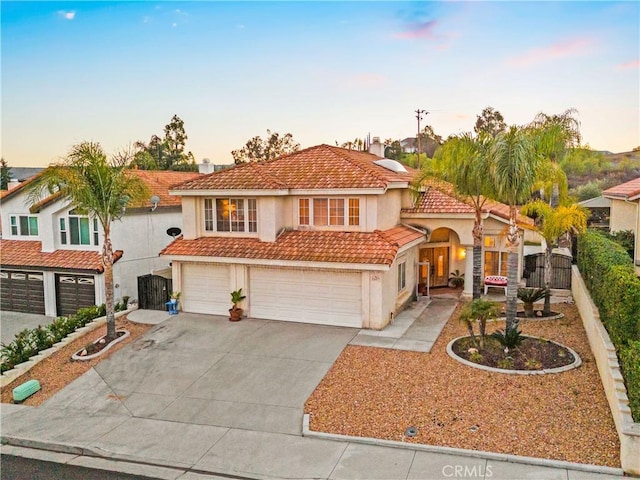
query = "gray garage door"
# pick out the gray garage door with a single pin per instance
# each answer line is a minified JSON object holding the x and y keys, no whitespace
{"x":74,"y":292}
{"x":22,"y":292}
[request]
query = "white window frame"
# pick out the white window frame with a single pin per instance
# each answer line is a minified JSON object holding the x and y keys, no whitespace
{"x":64,"y":227}
{"x":347,"y":220}
{"x":15,"y":225}
{"x":249,"y":217}
{"x":402,"y":275}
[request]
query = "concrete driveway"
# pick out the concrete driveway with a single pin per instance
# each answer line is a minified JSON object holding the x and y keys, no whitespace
{"x":12,"y":323}
{"x":205,"y":370}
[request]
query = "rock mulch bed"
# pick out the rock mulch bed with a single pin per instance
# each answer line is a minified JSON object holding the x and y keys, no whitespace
{"x":58,"y":370}
{"x":375,"y":392}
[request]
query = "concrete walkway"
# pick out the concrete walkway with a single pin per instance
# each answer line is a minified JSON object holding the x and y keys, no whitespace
{"x":199,"y":397}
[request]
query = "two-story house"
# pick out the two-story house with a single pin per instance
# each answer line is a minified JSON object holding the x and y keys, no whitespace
{"x":50,"y":259}
{"x":625,"y":212}
{"x":324,"y":235}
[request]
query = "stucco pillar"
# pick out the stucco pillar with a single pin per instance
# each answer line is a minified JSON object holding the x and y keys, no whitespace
{"x":468,"y":272}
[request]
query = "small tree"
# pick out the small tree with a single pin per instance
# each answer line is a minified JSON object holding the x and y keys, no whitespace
{"x":490,"y":122}
{"x":479,"y":311}
{"x":5,"y":174}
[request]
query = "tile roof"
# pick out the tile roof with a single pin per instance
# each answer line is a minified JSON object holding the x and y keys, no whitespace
{"x":629,"y":190}
{"x":319,"y":167}
{"x":439,"y":197}
{"x":159,"y":182}
{"x":28,"y":253}
{"x":378,"y":248}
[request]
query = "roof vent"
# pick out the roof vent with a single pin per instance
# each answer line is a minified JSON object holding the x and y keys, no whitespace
{"x":392,"y":165}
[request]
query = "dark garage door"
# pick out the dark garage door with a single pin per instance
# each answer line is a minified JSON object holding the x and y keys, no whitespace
{"x":74,"y":292}
{"x":22,"y":292}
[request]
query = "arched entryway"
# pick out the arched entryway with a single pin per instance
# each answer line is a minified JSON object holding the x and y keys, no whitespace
{"x":435,"y":258}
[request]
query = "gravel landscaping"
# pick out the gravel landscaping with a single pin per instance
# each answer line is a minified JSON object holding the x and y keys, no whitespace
{"x":58,"y":370}
{"x":376,"y":392}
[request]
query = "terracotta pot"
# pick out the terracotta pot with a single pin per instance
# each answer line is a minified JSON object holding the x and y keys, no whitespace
{"x":235,"y":314}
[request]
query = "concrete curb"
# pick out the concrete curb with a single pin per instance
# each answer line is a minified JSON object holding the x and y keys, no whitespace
{"x":502,"y":457}
{"x":22,"y":368}
{"x":575,"y":364}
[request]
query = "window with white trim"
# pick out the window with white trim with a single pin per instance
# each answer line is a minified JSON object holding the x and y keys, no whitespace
{"x":78,"y":229}
{"x":24,"y":225}
{"x":495,"y":259}
{"x":230,"y":215}
{"x":402,"y":275}
{"x":323,"y":212}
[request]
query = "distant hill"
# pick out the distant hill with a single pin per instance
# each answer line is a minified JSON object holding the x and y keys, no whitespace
{"x":23,"y":173}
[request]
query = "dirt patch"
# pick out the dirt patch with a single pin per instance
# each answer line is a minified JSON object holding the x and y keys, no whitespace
{"x":58,"y":370}
{"x":376,"y":392}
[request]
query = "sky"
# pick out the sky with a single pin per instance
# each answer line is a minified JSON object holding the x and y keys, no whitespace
{"x":326,"y":72}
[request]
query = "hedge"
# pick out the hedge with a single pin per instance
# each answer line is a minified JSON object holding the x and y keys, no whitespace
{"x":29,"y":342}
{"x":614,"y":287}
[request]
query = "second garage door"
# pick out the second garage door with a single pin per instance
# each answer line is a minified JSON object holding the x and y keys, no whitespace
{"x":22,"y":292}
{"x":205,"y":289}
{"x":322,"y":297}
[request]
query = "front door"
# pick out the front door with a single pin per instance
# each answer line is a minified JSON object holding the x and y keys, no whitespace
{"x":438,"y":258}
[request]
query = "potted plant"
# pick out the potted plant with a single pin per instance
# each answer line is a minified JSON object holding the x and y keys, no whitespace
{"x":528,"y":296}
{"x":456,"y":279}
{"x":235,"y":312}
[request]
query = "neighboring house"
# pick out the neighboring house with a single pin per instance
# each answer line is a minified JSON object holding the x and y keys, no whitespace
{"x":599,"y":212}
{"x":50,"y":260}
{"x":324,"y":235}
{"x":625,"y":212}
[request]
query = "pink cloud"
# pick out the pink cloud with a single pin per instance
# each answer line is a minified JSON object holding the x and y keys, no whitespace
{"x":418,"y":30}
{"x":629,"y":65}
{"x":367,"y":80}
{"x":563,"y":49}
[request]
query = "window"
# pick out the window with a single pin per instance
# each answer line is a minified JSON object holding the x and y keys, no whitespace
{"x":231,"y":215}
{"x":495,"y":263}
{"x":76,"y":229}
{"x":303,"y":211}
{"x":25,"y":225}
{"x":329,"y":211}
{"x":402,"y":276}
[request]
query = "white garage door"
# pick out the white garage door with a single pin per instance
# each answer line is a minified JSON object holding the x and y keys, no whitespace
{"x":205,"y":289}
{"x":328,"y":298}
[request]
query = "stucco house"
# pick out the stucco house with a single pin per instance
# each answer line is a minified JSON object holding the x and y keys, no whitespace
{"x":324,"y":235}
{"x":50,"y":254}
{"x":625,"y":212}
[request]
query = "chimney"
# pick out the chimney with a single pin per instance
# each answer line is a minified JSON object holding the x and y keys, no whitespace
{"x":206,"y":166}
{"x":376,"y":147}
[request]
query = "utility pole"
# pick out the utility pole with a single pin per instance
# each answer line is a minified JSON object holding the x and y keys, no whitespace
{"x":419,"y":114}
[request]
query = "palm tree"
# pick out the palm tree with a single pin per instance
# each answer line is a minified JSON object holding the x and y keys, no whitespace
{"x":515,"y":167}
{"x":463,"y":162}
{"x":553,"y":223}
{"x":99,"y":187}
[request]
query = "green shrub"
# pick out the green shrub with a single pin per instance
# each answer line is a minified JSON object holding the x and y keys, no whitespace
{"x":610,"y":277}
{"x":29,"y":342}
{"x":630,"y":365}
{"x":509,"y":337}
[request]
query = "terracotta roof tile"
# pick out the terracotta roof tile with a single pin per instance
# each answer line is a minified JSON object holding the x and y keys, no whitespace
{"x":159,"y":182}
{"x":439,"y":197}
{"x":319,"y":167}
{"x":626,"y":190}
{"x":377,"y":248}
{"x":28,"y":253}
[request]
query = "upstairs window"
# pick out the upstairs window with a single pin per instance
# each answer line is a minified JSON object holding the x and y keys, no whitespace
{"x":329,"y":211}
{"x":78,"y":229}
{"x":231,"y":215}
{"x":24,"y":225}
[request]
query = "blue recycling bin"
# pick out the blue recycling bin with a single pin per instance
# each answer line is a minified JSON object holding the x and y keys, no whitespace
{"x":172,"y":308}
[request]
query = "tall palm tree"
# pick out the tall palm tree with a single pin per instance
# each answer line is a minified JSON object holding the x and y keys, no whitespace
{"x":515,"y":168}
{"x":554,"y":136}
{"x":99,"y":187}
{"x":463,"y":162}
{"x":553,"y":223}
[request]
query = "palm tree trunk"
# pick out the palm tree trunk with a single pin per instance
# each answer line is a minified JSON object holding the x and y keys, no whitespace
{"x":512,"y":270}
{"x":546,"y":311}
{"x":477,"y":255}
{"x":107,"y":260}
